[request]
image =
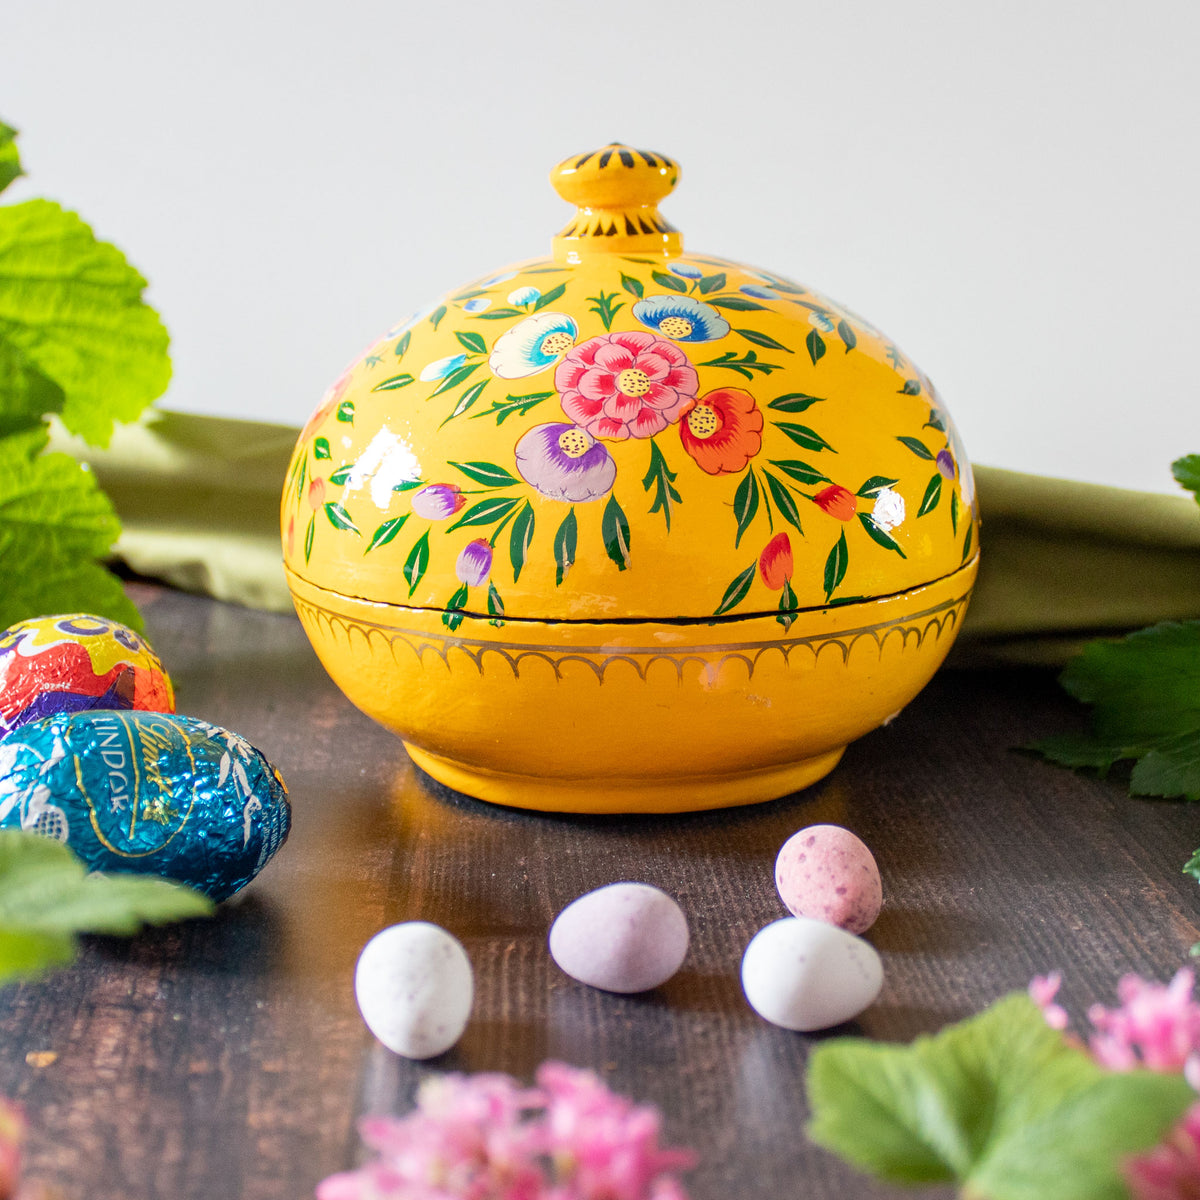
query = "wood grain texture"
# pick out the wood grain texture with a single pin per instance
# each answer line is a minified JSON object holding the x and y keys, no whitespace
{"x":227,"y":1059}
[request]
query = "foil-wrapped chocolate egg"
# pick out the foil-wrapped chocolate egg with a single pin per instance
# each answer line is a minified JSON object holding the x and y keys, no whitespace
{"x":74,"y":662}
{"x":151,"y":793}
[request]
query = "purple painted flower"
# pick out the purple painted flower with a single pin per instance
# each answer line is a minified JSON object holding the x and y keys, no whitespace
{"x":437,"y":501}
{"x":945,"y":463}
{"x":474,"y":563}
{"x":564,"y":462}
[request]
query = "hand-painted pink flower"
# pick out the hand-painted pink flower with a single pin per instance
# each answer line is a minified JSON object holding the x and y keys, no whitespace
{"x":629,"y":384}
{"x":437,"y":501}
{"x":945,"y":463}
{"x":565,"y":462}
{"x":474,"y":563}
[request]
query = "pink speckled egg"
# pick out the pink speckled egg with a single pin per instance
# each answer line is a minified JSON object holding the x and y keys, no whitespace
{"x":827,"y":873}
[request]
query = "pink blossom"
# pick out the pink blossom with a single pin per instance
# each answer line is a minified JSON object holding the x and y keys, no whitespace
{"x":628,"y":384}
{"x":1171,"y":1171}
{"x":1042,"y":990}
{"x":12,"y":1137}
{"x":1156,"y":1026}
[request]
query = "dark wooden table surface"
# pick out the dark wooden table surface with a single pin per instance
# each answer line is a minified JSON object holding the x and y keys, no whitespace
{"x":226,"y":1058}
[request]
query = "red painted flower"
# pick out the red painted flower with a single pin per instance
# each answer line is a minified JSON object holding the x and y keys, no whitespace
{"x":620,"y":385}
{"x":775,"y":562}
{"x":837,"y":501}
{"x":291,"y":536}
{"x":722,"y":431}
{"x":316,"y":494}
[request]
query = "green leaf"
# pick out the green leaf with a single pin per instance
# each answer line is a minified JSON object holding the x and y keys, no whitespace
{"x":321,"y":448}
{"x":417,"y":563}
{"x":603,"y":306}
{"x":816,"y":346}
{"x":614,"y":528}
{"x":452,"y":618}
{"x":339,"y":518}
{"x":309,"y":534}
{"x":386,"y":532}
{"x":407,"y":485}
{"x":1192,"y":866}
{"x":875,"y":485}
{"x":10,"y":160}
{"x":936,"y":421}
{"x":564,"y":547}
{"x":519,"y":539}
{"x":736,"y":304}
{"x":933,"y":493}
{"x":876,"y":534}
{"x":494,"y":602}
{"x":746,"y":365}
{"x":671,"y":282}
{"x":26,"y":953}
{"x":784,"y":500}
{"x":513,"y":406}
{"x":393,"y":381}
{"x":486,"y":512}
{"x":402,"y":348}
{"x":917,"y":447}
{"x":1001,"y":1105}
{"x":835,"y":565}
{"x":632,"y":286}
{"x":486,"y":473}
{"x":473,"y":343}
{"x":55,"y":523}
{"x":794,"y":402}
{"x":498,"y":314}
{"x":345,"y":412}
{"x":954,"y":512}
{"x":809,"y":439}
{"x":26,"y":395}
{"x":435,"y":317}
{"x":1145,"y":693}
{"x":801,"y":472}
{"x":469,"y":396}
{"x":1187,"y":473}
{"x":745,"y":504}
{"x":737,"y":591}
{"x":455,"y":378}
{"x":72,"y":307}
{"x":711,"y":283}
{"x":787,"y":605}
{"x":912,"y":387}
{"x":761,"y":339}
{"x":547,"y":298}
{"x":847,"y":334}
{"x":967,"y":543}
{"x":661,"y":478}
{"x":342,"y":474}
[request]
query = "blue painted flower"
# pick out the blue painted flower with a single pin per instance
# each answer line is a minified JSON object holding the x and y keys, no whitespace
{"x":532,"y":345}
{"x":821,"y":321}
{"x":564,"y":462}
{"x":681,"y":318}
{"x":523,"y":296}
{"x":441,"y":367}
{"x":759,"y":293}
{"x":476,"y":304}
{"x":686,"y":270}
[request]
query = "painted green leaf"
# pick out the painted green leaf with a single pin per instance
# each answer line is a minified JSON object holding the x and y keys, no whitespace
{"x":469,"y":396}
{"x":801,"y":472}
{"x":386,"y":532}
{"x":912,"y":387}
{"x":787,"y":605}
{"x":393,"y":382}
{"x":875,"y":485}
{"x":342,"y":474}
{"x":661,"y":478}
{"x":497,"y":314}
{"x":309,"y":534}
{"x":471,"y":342}
{"x":564,"y":547}
{"x":847,"y":334}
{"x":339,"y":518}
{"x":936,"y":421}
{"x":895,"y":357}
{"x":417,"y":563}
{"x":933,"y":493}
{"x":435,"y":317}
{"x":459,"y":598}
{"x":402,"y":345}
{"x":917,"y":447}
{"x":10,"y":160}
{"x":455,"y":378}
{"x":494,"y":602}
{"x":486,"y":512}
{"x":954,"y":511}
{"x":794,"y":402}
{"x":745,"y":504}
{"x":548,"y":298}
{"x":345,"y":412}
{"x":513,"y":406}
{"x":967,"y":542}
{"x":469,"y":294}
{"x":835,"y":565}
{"x":486,"y":473}
{"x":671,"y":282}
{"x":71,"y":309}
{"x":736,"y":304}
{"x":519,"y":539}
{"x":784,"y":500}
{"x":876,"y":534}
{"x":632,"y":286}
{"x":614,"y":528}
{"x":737,"y":591}
{"x":712,"y":283}
{"x":603,"y":306}
{"x":321,"y":448}
{"x":452,"y":618}
{"x":803,"y":436}
{"x":761,"y":339}
{"x":746,"y":365}
{"x":816,"y":346}
{"x":407,"y":485}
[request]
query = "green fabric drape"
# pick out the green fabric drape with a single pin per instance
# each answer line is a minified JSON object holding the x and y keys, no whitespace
{"x":199,"y":501}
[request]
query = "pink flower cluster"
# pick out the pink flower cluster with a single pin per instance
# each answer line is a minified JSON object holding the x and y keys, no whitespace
{"x":484,"y":1137}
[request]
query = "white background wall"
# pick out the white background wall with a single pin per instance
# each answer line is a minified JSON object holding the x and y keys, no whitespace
{"x":1010,"y":190}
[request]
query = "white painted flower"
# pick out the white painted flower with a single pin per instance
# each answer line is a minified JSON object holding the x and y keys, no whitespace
{"x":523,"y":296}
{"x":441,"y":367}
{"x":532,"y":345}
{"x":888,"y":512}
{"x":821,"y":321}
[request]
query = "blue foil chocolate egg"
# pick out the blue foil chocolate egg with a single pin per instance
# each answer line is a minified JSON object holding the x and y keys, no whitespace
{"x":153,"y":793}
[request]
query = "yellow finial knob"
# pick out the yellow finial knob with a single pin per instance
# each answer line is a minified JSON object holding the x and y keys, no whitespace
{"x":617,"y":190}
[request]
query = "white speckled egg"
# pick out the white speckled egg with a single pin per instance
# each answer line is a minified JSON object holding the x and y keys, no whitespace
{"x":827,"y":872}
{"x":414,"y":988}
{"x":626,"y":937}
{"x":807,"y":975}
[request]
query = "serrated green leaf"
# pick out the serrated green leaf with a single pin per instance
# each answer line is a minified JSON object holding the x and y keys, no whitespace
{"x":10,"y":159}
{"x":632,"y":286}
{"x":835,"y":565}
{"x":488,"y":474}
{"x":933,"y":493}
{"x":614,"y":529}
{"x":801,"y":472}
{"x":662,"y":479}
{"x":794,"y":402}
{"x":737,"y":591}
{"x":339,"y":518}
{"x":816,"y":346}
{"x":671,"y":282}
{"x":564,"y":547}
{"x":847,"y":334}
{"x":472,"y":342}
{"x":745,"y":504}
{"x":548,"y":298}
{"x":386,"y":532}
{"x":784,"y":500}
{"x":72,"y":307}
{"x":918,"y":447}
{"x":513,"y":406}
{"x":321,"y":448}
{"x":393,"y":382}
{"x":803,"y":436}
{"x":761,"y":339}
{"x":519,"y":538}
{"x":26,"y":395}
{"x":1187,"y":473}
{"x":1001,"y":1105}
{"x":417,"y":563}
{"x":881,"y":536}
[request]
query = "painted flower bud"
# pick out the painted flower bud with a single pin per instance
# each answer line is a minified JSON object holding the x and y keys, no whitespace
{"x":316,"y":494}
{"x":474,"y":563}
{"x":775,"y":562}
{"x":437,"y":501}
{"x":837,"y":501}
{"x":945,"y":463}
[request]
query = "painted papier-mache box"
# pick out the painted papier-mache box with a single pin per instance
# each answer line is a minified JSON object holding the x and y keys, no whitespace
{"x":630,"y":528}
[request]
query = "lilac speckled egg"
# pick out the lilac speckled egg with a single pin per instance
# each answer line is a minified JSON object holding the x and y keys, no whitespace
{"x":827,"y":873}
{"x":626,"y":937}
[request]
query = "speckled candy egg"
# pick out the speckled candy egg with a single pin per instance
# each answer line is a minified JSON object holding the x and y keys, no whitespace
{"x":626,"y":937}
{"x":807,"y":975}
{"x":74,"y":662}
{"x":415,"y":988}
{"x":826,"y":872}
